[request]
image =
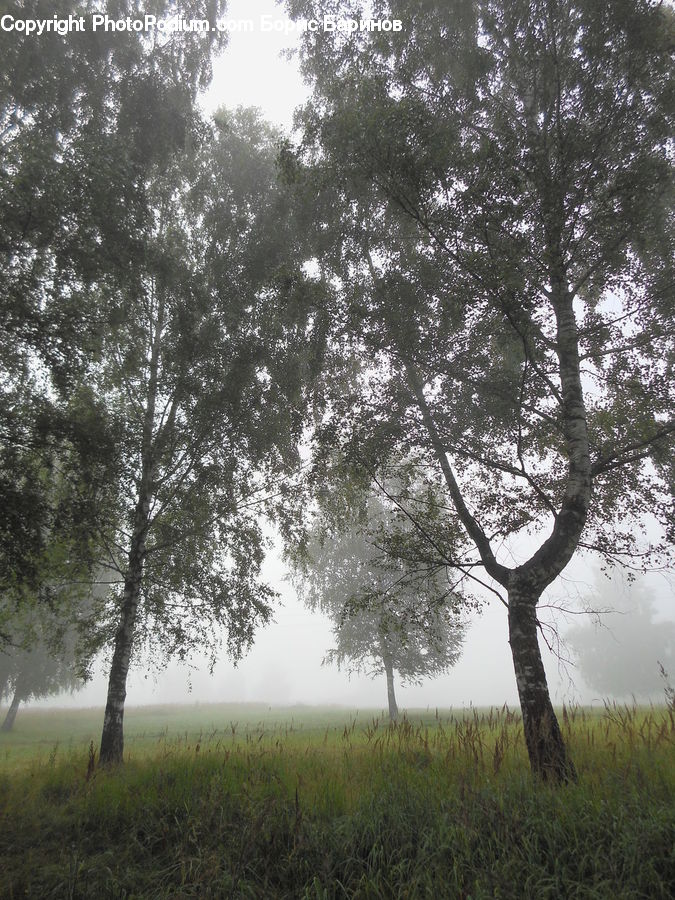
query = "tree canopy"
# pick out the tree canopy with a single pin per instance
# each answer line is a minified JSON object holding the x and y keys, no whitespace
{"x":203,"y":368}
{"x":160,"y":329}
{"x":40,"y":661}
{"x":465,"y":263}
{"x":84,"y":117}
{"x":495,"y":200}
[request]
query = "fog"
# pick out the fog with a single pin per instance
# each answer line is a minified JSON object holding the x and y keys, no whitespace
{"x":284,"y":665}
{"x":255,"y":70}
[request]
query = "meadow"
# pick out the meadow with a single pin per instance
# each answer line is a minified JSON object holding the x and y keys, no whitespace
{"x":249,"y":801}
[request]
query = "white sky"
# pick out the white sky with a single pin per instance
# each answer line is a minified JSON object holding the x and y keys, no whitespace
{"x":284,"y":666}
{"x":252,"y":72}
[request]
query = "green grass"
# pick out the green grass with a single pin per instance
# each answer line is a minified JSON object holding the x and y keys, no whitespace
{"x":237,"y":801}
{"x":36,"y":732}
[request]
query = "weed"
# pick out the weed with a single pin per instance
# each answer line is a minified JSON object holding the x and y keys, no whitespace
{"x":435,"y":805}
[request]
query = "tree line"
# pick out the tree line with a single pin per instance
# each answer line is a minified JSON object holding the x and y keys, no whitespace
{"x":458,"y":281}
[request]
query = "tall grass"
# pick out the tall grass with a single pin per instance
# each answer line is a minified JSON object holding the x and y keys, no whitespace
{"x":439,"y":805}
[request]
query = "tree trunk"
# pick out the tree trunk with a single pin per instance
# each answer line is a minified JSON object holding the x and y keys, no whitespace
{"x":112,"y":738}
{"x":545,"y":745}
{"x":8,"y":724}
{"x":391,"y":696}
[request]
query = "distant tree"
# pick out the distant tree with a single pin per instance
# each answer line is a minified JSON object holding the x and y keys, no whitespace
{"x":493,"y":191}
{"x":35,"y":672}
{"x":392,"y":612}
{"x":620,"y":655}
{"x":49,"y":649}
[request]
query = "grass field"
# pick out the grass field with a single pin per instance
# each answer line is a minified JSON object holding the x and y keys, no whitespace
{"x":248,"y":801}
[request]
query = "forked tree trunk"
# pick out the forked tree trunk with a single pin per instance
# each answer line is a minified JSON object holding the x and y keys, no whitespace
{"x":545,"y":745}
{"x":391,"y":696}
{"x":8,"y":724}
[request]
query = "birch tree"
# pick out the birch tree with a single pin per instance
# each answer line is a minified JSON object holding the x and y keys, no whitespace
{"x":153,"y":301}
{"x":504,"y":262}
{"x":203,"y":370}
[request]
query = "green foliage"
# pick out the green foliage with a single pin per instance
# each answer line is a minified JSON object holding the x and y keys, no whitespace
{"x":495,"y":190}
{"x":50,"y":638}
{"x":203,"y":369}
{"x":48,"y":583}
{"x":463,"y":170}
{"x":391,"y":600}
{"x":158,"y":328}
{"x":434,"y":806}
{"x":39,"y":671}
{"x":84,"y":117}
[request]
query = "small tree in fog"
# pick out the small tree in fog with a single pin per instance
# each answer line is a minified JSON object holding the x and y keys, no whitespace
{"x":42,"y":664}
{"x":50,"y":639}
{"x":621,"y":655}
{"x":392,"y":612}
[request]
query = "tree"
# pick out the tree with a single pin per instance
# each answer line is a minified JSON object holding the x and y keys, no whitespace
{"x":80,"y":114}
{"x":154,"y":308}
{"x":35,"y":672}
{"x":49,"y":647}
{"x":495,"y":209}
{"x":203,"y":366}
{"x":392,"y":611}
{"x":620,"y":654}
{"x":55,"y":482}
{"x":155,"y":304}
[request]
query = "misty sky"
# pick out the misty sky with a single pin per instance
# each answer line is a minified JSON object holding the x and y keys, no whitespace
{"x":284,"y":666}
